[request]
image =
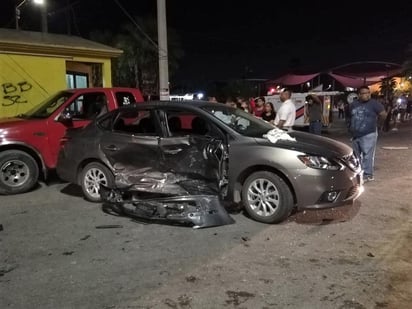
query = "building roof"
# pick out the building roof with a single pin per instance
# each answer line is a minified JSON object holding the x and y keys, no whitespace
{"x":19,"y":41}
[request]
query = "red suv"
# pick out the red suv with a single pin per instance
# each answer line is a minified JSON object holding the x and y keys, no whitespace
{"x":30,"y":142}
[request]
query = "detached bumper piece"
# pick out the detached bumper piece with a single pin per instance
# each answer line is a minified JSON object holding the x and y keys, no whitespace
{"x":198,"y":211}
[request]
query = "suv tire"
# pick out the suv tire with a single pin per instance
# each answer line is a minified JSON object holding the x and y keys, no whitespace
{"x":19,"y":172}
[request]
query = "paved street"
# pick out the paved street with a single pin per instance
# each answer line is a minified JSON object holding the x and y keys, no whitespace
{"x":57,"y":251}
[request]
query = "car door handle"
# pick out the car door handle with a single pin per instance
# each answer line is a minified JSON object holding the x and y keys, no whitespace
{"x":173,"y":151}
{"x":111,"y":148}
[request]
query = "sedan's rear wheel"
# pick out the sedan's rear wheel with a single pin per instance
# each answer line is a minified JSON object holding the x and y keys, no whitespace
{"x":93,"y":175}
{"x":18,"y":172}
{"x":266,"y":197}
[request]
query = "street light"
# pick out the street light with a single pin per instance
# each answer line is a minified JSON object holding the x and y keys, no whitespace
{"x":17,"y":11}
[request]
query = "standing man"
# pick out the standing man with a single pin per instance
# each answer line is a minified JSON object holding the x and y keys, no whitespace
{"x":285,"y":116}
{"x":314,"y":113}
{"x":364,"y":116}
{"x":341,"y":109}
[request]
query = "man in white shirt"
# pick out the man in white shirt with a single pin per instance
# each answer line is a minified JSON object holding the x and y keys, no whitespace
{"x":285,"y":116}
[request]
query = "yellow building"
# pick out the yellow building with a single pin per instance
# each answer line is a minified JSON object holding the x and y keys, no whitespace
{"x":34,"y":65}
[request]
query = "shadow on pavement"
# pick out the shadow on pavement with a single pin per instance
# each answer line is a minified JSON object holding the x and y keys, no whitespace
{"x":72,"y":190}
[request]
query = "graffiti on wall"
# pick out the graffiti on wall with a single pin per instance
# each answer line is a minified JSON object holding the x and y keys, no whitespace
{"x":14,"y":93}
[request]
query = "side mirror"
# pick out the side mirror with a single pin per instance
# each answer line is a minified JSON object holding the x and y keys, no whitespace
{"x":65,"y":118}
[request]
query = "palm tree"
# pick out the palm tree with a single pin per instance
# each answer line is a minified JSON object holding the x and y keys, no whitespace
{"x":387,"y":87}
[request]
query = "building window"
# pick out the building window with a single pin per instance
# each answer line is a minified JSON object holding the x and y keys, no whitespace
{"x":77,"y":80}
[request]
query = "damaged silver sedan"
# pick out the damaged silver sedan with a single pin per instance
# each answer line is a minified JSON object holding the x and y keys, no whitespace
{"x":183,"y":161}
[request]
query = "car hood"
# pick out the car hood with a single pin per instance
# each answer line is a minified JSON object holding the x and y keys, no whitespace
{"x":308,"y":143}
{"x":6,"y":122}
{"x":11,"y":126}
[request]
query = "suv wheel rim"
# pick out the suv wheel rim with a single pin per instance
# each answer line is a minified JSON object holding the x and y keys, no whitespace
{"x":263,"y":197}
{"x":14,"y":173}
{"x":92,"y":181}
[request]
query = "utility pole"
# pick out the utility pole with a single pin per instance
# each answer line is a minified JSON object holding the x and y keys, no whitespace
{"x":162,"y":50}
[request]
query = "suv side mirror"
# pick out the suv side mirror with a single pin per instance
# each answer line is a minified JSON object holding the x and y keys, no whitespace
{"x":65,"y":118}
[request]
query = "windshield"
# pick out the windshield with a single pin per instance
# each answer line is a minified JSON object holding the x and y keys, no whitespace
{"x":240,"y":121}
{"x":48,"y":106}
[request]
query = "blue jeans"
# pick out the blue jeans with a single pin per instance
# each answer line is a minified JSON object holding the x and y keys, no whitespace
{"x":315,"y":127}
{"x":364,"y":147}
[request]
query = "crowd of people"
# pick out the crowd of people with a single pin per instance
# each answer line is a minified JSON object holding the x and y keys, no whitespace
{"x":365,"y":117}
{"x":283,"y":118}
{"x":398,"y":109}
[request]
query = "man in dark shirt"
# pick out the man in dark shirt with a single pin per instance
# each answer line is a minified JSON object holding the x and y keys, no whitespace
{"x":314,"y":112}
{"x":363,"y":126}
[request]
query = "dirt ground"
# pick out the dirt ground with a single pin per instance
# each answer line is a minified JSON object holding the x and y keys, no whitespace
{"x":362,"y":257}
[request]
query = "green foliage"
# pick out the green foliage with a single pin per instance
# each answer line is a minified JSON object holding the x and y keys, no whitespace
{"x":387,"y":87}
{"x":138,"y":65}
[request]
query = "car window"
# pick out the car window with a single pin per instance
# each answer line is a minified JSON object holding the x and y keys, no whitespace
{"x":136,"y":122}
{"x":48,"y":107}
{"x":106,"y":122}
{"x":124,"y":98}
{"x":181,"y":123}
{"x":88,"y":106}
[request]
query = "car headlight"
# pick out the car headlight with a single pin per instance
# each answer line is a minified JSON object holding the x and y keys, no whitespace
{"x":320,"y":162}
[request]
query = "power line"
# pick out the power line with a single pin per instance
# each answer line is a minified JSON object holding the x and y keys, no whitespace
{"x":136,"y":24}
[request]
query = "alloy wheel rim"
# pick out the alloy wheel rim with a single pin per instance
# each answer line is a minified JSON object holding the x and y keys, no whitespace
{"x":263,"y":197}
{"x":92,"y":181}
{"x":14,"y":173}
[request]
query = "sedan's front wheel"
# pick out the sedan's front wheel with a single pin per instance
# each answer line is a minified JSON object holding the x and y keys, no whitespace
{"x":266,"y":197}
{"x":93,"y":175}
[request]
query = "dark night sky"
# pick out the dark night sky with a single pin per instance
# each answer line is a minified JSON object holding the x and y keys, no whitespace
{"x":223,"y":39}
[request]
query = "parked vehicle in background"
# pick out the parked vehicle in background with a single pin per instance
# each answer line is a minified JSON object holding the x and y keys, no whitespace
{"x":30,"y":142}
{"x":300,"y":103}
{"x":162,"y":160}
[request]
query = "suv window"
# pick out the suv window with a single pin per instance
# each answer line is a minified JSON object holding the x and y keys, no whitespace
{"x":88,"y":106}
{"x":125,"y":98}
